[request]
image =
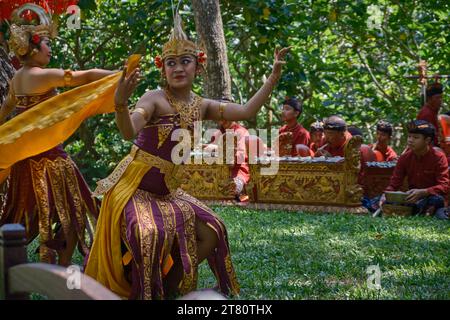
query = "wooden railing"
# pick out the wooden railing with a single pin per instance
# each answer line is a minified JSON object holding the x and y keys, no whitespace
{"x":18,"y":278}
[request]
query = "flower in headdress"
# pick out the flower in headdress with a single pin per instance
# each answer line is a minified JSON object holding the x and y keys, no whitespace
{"x":36,"y":39}
{"x":158,"y":62}
{"x":201,"y":57}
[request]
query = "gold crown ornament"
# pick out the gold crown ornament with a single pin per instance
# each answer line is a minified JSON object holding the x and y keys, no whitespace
{"x":179,"y":44}
{"x":23,"y":34}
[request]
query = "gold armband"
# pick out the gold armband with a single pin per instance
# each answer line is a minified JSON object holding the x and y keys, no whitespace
{"x":142,"y":112}
{"x":68,"y":75}
{"x":221,"y":109}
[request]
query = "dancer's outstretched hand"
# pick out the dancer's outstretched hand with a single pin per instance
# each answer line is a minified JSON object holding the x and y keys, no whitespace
{"x":279,"y":61}
{"x":126,"y":86}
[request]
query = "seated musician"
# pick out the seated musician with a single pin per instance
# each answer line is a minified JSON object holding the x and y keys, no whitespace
{"x":336,"y":137}
{"x":381,"y":148}
{"x":317,"y":136}
{"x":426,"y":169}
{"x":293,"y":134}
{"x":240,"y":174}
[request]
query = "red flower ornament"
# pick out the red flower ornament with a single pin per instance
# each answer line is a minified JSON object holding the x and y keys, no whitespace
{"x":158,"y":62}
{"x":36,"y":39}
{"x":201,"y":57}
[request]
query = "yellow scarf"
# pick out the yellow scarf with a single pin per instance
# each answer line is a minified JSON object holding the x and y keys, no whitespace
{"x":105,"y":258}
{"x":53,"y":121}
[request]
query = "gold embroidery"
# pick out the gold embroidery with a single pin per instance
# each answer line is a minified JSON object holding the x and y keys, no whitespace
{"x":189,"y":112}
{"x":104,"y":185}
{"x":28,"y":101}
{"x":235,"y":288}
{"x":59,"y":194}
{"x":40,"y":187}
{"x":63,"y":181}
{"x":222,"y":109}
{"x":190,"y":276}
{"x":163,"y":132}
{"x":172,"y":173}
{"x":80,"y":206}
{"x":148,"y":235}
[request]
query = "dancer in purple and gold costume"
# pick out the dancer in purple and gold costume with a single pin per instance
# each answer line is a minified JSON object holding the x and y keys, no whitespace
{"x":151,"y":235}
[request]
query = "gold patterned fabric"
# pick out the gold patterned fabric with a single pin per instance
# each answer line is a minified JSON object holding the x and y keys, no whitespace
{"x":45,"y":191}
{"x":157,"y":228}
{"x":171,"y":171}
{"x":28,"y":101}
{"x":144,"y":211}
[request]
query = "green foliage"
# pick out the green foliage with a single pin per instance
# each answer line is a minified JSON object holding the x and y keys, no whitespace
{"x":348,"y":57}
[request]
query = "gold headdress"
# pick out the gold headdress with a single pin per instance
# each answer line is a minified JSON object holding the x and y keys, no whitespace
{"x":22,"y":34}
{"x":179,"y":44}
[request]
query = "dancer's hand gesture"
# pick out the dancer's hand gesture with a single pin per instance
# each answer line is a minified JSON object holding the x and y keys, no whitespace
{"x":127,"y":84}
{"x":279,"y":61}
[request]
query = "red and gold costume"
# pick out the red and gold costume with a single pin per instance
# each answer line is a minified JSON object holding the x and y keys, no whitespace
{"x":45,"y":186}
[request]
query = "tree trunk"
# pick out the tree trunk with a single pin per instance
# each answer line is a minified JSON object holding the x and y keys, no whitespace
{"x":209,"y":27}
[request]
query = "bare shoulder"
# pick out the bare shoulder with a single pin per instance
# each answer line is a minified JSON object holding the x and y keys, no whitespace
{"x":205,"y":104}
{"x":35,"y":79}
{"x":206,"y":101}
{"x":44,"y":72}
{"x":153,"y":95}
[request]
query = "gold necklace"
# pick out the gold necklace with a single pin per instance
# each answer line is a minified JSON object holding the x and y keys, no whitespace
{"x":189,"y":112}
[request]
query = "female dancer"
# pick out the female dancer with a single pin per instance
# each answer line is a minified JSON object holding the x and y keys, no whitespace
{"x":46,"y":192}
{"x":151,"y":235}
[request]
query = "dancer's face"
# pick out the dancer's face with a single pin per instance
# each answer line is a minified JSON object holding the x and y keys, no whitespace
{"x":180,"y":71}
{"x":43,"y":56}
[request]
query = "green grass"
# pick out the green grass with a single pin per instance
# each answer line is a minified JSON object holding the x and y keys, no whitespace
{"x":285,"y":255}
{"x":288,"y":255}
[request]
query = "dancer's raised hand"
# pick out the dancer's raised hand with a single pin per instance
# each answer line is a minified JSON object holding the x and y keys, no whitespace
{"x":279,"y":61}
{"x":126,"y":86}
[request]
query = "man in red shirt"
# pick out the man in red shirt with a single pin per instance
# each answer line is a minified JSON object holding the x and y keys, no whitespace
{"x":426,"y":169}
{"x":293,"y":133}
{"x":430,"y":110}
{"x":336,"y":137}
{"x":381,"y":148}
{"x":240,"y":174}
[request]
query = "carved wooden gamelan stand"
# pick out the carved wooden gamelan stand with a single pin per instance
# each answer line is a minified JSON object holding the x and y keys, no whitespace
{"x":315,"y":186}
